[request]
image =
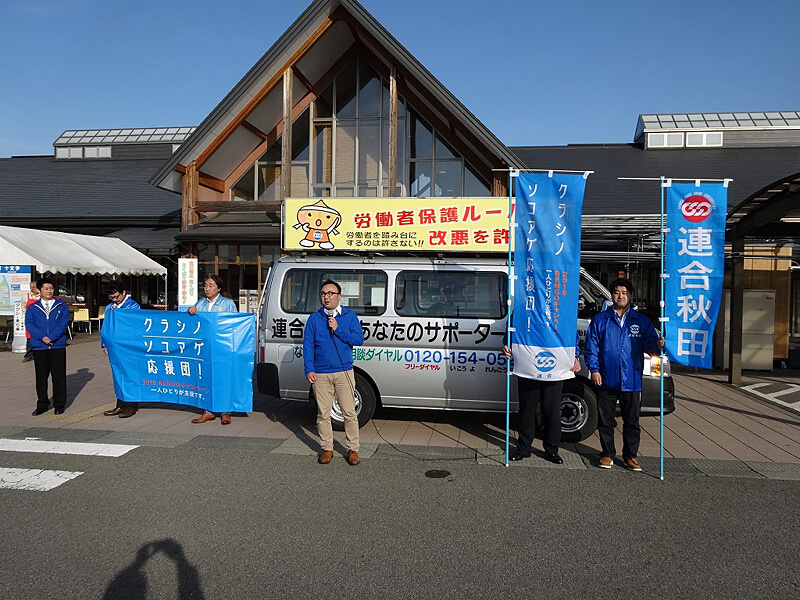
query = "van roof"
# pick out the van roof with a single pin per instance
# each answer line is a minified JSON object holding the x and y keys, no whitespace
{"x":399,"y":260}
{"x":393,"y":260}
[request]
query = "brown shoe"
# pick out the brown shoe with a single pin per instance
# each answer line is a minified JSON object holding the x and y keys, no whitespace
{"x":325,"y":457}
{"x":606,"y":462}
{"x":352,"y":458}
{"x":126,"y":413}
{"x":633,"y":464}
{"x":113,"y":412}
{"x":225,"y":418}
{"x":206,"y":416}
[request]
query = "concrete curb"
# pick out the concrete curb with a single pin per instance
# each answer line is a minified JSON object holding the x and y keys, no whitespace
{"x":309,"y":447}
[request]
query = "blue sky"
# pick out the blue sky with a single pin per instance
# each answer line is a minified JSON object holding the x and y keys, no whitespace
{"x":536,"y":72}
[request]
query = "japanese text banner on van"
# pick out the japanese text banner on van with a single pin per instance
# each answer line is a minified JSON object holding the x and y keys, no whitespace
{"x":547,"y":250}
{"x":695,"y":264}
{"x":396,"y":224}
{"x":203,"y":360}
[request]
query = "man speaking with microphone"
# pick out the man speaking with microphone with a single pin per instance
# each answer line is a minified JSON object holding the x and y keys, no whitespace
{"x":328,"y":340}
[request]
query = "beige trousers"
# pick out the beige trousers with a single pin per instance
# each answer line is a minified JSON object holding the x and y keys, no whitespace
{"x":341,"y":385}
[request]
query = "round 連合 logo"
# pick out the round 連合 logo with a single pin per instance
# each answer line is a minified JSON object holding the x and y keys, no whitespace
{"x":697,"y":208}
{"x":544,"y":361}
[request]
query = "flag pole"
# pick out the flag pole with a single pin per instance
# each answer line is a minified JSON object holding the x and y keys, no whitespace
{"x":662,"y":303}
{"x":512,"y":173}
{"x":665,"y":183}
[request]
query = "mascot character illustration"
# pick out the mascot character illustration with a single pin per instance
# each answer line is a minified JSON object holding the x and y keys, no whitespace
{"x":319,"y":221}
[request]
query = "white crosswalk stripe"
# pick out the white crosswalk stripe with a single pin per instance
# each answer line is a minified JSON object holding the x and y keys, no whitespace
{"x":80,"y":448}
{"x":37,"y":480}
{"x":42,"y":480}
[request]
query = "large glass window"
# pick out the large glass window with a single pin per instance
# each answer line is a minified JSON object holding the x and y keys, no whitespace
{"x":455,"y":294}
{"x":340,"y":147}
{"x":363,"y":292}
{"x":300,"y":155}
{"x":244,"y":188}
{"x":269,"y":174}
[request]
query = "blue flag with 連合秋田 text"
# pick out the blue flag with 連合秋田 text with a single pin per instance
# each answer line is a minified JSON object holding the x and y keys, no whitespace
{"x":694,"y":264}
{"x":203,"y":360}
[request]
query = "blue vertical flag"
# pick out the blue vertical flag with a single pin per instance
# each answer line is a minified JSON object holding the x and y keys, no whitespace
{"x":203,"y":360}
{"x":547,"y":251}
{"x":694,"y":266}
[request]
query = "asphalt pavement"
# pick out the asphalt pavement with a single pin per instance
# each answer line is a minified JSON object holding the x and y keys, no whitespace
{"x":202,"y":522}
{"x":155,"y":507}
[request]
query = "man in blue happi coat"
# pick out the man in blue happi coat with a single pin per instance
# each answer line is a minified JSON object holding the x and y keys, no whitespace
{"x":615,"y":345}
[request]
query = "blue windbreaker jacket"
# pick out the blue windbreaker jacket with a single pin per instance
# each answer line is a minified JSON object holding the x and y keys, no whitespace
{"x":53,"y":326}
{"x":223,"y":304}
{"x":326,"y":353}
{"x":617,"y":351}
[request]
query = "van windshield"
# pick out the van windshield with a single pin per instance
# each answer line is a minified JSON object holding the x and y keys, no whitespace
{"x":590,"y":298}
{"x":466,"y":294}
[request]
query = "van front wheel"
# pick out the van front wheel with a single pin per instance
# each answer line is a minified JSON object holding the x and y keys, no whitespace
{"x":366,"y":400}
{"x":578,"y":411}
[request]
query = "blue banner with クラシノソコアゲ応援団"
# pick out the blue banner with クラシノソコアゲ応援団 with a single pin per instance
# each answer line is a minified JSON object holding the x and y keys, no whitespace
{"x":203,"y":360}
{"x":547,"y":250}
{"x":694,"y":259}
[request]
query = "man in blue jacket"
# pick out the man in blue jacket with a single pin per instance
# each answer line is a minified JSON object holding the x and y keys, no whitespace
{"x":47,"y":320}
{"x":328,"y":340}
{"x":615,"y":345}
{"x":120,"y":299}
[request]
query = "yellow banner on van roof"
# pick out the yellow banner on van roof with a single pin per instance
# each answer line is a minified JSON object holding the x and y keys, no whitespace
{"x":396,"y":224}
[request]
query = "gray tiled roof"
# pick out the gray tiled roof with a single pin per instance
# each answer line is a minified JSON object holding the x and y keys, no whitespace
{"x":750,"y":168}
{"x":148,"y":239}
{"x":42,"y":187}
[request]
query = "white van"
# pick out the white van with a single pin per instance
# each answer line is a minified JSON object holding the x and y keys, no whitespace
{"x":433,"y":336}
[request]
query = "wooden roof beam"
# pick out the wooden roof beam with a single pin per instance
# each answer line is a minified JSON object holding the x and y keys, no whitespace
{"x":218,"y":185}
{"x":253,"y":129}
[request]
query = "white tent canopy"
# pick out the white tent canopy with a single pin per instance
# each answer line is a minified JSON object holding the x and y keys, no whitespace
{"x":56,"y":252}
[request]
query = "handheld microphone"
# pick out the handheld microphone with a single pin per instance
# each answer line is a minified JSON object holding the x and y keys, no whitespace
{"x":331,"y":314}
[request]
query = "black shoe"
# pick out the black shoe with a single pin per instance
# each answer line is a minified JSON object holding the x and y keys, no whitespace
{"x":58,"y":411}
{"x":39,"y":411}
{"x":518,"y":456}
{"x":554,"y":458}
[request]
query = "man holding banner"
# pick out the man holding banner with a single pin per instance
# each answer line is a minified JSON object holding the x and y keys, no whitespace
{"x":214,"y":302}
{"x":615,"y":345}
{"x":531,"y":392}
{"x":203,"y":360}
{"x":120,"y":299}
{"x":546,"y":272}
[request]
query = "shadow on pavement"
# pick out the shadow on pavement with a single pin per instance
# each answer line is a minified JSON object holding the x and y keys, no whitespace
{"x":131,"y":582}
{"x":76,"y":382}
